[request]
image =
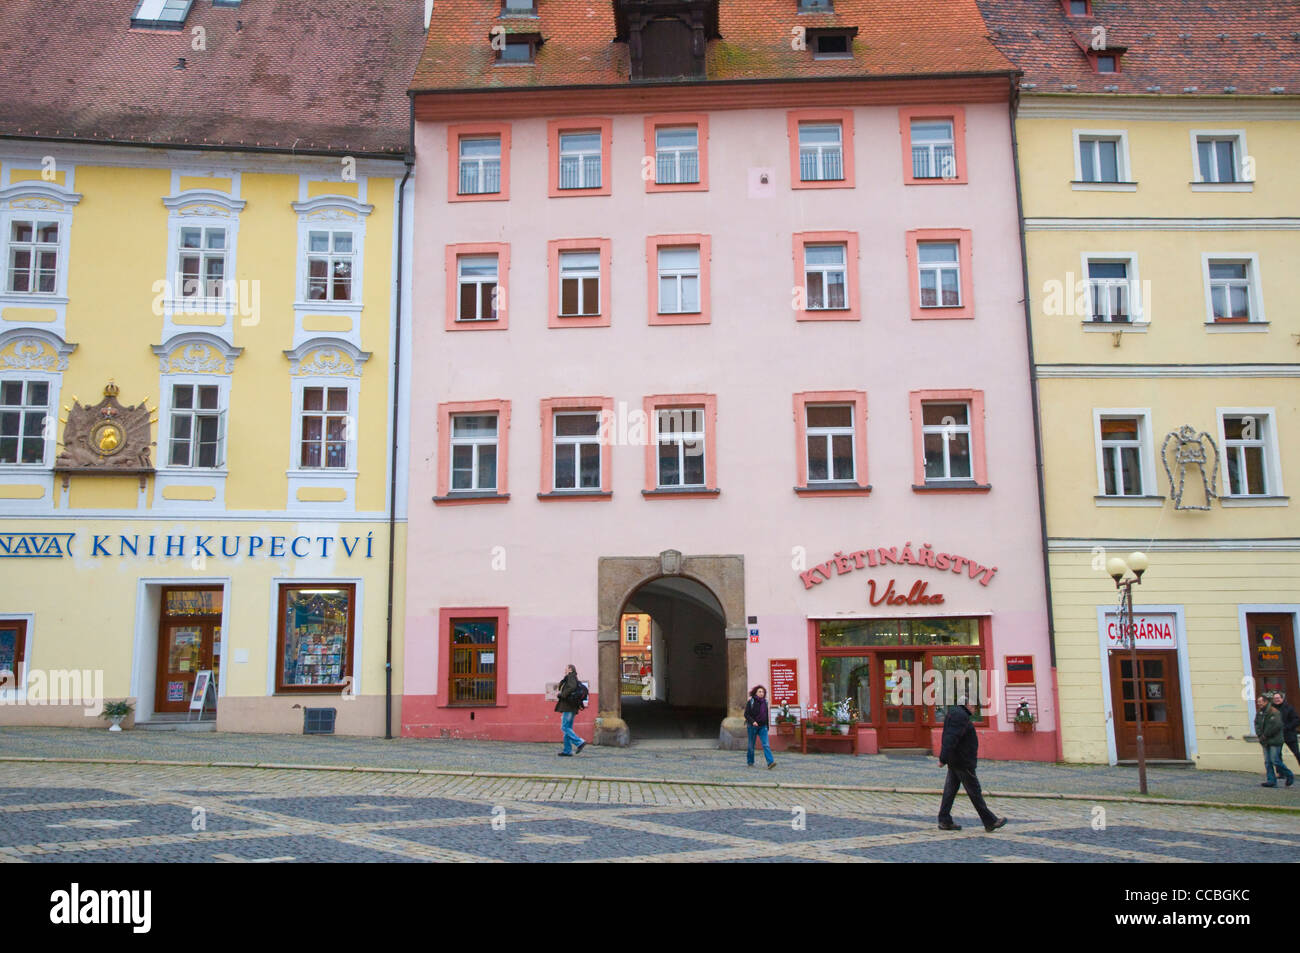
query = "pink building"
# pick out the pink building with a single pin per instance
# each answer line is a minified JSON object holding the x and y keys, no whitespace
{"x":719,"y":319}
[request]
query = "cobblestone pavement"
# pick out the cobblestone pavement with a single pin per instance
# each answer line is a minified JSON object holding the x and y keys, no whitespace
{"x":674,"y":761}
{"x":88,"y":813}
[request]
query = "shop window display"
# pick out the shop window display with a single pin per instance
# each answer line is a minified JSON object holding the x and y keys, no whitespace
{"x":315,"y":636}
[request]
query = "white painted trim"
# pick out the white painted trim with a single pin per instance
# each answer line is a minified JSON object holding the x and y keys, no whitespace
{"x":1257,"y":316}
{"x":1166,"y":370}
{"x":1184,"y":677}
{"x":31,"y":474}
{"x":358,"y":632}
{"x":144,"y":677}
{"x":1139,"y":310}
{"x":1146,"y":454}
{"x":1261,"y":608}
{"x":18,"y":694}
{"x":1049,"y":224}
{"x":1125,"y":170}
{"x":165,"y":474}
{"x":345,"y":478}
{"x":1272,"y":452}
{"x":1157,"y":107}
{"x":403,"y":389}
{"x":1067,"y":544}
{"x":1239,"y":183}
{"x":1249,"y":501}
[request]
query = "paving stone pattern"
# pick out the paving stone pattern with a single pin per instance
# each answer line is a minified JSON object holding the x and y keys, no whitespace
{"x":89,"y":813}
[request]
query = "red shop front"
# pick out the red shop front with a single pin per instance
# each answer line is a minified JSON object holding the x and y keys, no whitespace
{"x":899,"y":675}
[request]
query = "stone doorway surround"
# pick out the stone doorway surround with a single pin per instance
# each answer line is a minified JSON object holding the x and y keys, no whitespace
{"x":618,"y":578}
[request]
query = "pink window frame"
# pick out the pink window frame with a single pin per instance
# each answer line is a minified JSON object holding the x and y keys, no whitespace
{"x":445,"y":413}
{"x":979,"y":464}
{"x":850,"y":240}
{"x":552,"y":405}
{"x":454,"y":134}
{"x":957,"y":115}
{"x":657,"y":402}
{"x":501,"y":615}
{"x":812,"y":398}
{"x":502,"y":251}
{"x":845,"y":118}
{"x":553,"y":129}
{"x":652,"y":246}
{"x":962,"y":237}
{"x":553,"y":249}
{"x":701,"y":123}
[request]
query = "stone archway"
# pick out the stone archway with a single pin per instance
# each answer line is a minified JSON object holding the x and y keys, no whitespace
{"x":618,"y":577}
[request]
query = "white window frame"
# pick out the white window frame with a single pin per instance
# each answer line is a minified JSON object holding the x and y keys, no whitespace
{"x":201,"y":208}
{"x":632,"y":631}
{"x":353,"y":388}
{"x":474,"y":442}
{"x":1273,"y":494}
{"x":34,"y":200}
{"x":938,"y":268}
{"x":480,"y":164}
{"x":461,"y":281}
{"x":221,"y":413}
{"x":954,"y":428}
{"x":934,"y":163}
{"x":677,"y":274}
{"x":1200,"y":182}
{"x":1123,"y":168}
{"x":330,"y":213}
{"x":203,"y":298}
{"x":331,"y":256}
{"x":674,"y":154}
{"x":829,"y":433}
{"x":1146,"y":457}
{"x":824,"y":270}
{"x":821,"y":150}
{"x":582,"y":155}
{"x":1139,"y":316}
{"x":695,"y":437}
{"x":1257,"y":320}
{"x":48,"y":430}
{"x":577,"y":442}
{"x":586,"y":309}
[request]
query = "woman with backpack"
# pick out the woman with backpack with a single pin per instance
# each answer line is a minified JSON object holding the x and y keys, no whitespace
{"x":569,"y":703}
{"x":756,"y":724}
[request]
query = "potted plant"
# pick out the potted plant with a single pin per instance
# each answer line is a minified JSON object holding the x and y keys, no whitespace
{"x":116,"y":712}
{"x":844,"y":715}
{"x":1024,"y":718}
{"x":785,"y":721}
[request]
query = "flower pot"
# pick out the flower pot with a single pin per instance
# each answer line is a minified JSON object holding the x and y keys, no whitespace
{"x":843,"y":729}
{"x":1024,"y":727}
{"x":785,"y":728}
{"x":117,"y":722}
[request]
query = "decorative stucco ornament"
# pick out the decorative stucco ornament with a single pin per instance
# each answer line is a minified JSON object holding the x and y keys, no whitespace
{"x":106,"y":438}
{"x":1191,"y":449}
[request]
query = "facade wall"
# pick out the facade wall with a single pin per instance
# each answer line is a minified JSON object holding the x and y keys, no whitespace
{"x":1211,"y":570}
{"x":539,"y":556}
{"x":118,"y":318}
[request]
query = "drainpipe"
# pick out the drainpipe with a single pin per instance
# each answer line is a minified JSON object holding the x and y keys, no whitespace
{"x":1013,"y":104}
{"x":409,"y":160}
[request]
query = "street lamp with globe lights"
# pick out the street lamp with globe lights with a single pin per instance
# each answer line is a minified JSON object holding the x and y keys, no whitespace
{"x":1119,"y":570}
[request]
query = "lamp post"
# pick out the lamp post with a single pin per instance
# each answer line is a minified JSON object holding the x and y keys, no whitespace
{"x":1119,"y":569}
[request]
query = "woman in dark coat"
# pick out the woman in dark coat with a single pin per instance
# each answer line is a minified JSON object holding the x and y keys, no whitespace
{"x":568,"y":706}
{"x":756,"y":724}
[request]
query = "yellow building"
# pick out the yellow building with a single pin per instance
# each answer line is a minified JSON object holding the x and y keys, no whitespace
{"x":198,"y":337}
{"x":1161,"y":215}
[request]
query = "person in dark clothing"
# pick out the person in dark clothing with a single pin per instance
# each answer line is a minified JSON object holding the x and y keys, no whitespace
{"x":1268,"y":729}
{"x":568,"y":706}
{"x":1290,"y":722}
{"x":959,"y":751}
{"x":756,"y":724}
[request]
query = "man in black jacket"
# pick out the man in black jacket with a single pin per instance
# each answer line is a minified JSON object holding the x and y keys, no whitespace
{"x":959,"y":750}
{"x":1290,"y":722}
{"x":568,"y":706}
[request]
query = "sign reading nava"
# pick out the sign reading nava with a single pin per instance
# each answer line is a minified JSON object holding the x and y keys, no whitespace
{"x":56,"y":545}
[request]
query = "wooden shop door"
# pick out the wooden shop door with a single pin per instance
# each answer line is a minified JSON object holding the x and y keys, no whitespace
{"x":1154,"y":686}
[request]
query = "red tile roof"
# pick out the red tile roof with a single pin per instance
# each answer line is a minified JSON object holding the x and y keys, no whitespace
{"x":895,"y":37}
{"x":305,"y":75}
{"x":1250,"y":45}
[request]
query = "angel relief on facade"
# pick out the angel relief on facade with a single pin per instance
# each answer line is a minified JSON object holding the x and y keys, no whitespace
{"x":1187,"y":452}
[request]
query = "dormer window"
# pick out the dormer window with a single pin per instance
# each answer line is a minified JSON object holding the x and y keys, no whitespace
{"x":1078,"y":8}
{"x":816,"y":6}
{"x":161,"y":14}
{"x":519,"y":48}
{"x":1107,"y":60}
{"x":519,"y":8}
{"x":832,"y":44}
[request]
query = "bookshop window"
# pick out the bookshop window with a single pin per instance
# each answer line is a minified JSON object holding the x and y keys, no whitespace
{"x":316,"y":625}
